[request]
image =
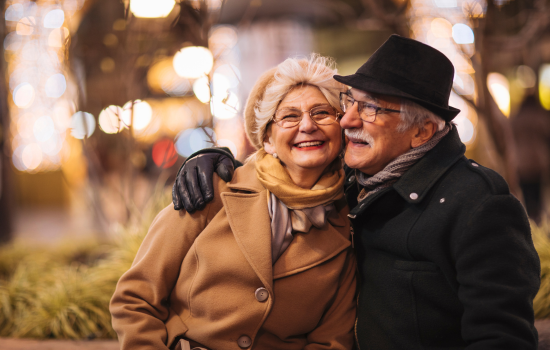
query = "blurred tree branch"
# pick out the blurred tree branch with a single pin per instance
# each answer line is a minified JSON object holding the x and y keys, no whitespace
{"x":142,"y":43}
{"x":489,"y":45}
{"x":537,"y":22}
{"x":392,"y":14}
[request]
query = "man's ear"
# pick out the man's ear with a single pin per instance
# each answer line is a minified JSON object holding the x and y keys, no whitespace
{"x":269,"y":146}
{"x":424,"y":134}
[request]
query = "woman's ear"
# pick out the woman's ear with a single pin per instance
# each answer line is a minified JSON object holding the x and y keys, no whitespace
{"x":269,"y":146}
{"x":424,"y":134}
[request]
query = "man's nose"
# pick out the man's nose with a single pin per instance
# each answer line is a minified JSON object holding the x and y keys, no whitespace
{"x":351,"y":119}
{"x":307,"y":125}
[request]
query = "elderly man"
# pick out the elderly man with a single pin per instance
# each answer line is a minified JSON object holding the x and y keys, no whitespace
{"x":445,"y":255}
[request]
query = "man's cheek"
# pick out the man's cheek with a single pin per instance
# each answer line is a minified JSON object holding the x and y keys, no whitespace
{"x":350,"y":158}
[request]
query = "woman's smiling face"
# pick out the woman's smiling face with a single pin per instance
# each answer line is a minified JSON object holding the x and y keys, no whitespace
{"x":306,"y":149}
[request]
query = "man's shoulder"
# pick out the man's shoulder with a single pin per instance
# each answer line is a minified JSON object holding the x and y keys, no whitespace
{"x":473,"y":178}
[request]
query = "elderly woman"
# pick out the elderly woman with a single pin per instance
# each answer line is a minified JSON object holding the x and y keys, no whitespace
{"x":268,"y":264}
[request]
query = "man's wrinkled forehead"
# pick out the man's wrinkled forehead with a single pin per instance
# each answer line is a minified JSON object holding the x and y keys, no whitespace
{"x":378,"y":99}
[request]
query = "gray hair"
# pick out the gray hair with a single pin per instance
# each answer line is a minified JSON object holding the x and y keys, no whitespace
{"x":315,"y":71}
{"x":414,"y":115}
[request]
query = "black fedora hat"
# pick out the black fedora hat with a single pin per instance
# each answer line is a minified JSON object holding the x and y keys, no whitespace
{"x":409,"y":69}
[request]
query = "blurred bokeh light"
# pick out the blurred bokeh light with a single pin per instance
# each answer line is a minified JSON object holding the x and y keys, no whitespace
{"x":193,"y":62}
{"x":110,"y":120}
{"x":36,"y":42}
{"x":137,"y":113}
{"x":151,"y":9}
{"x":544,"y":86}
{"x":164,"y":153}
{"x":82,"y":125}
{"x":499,"y":87}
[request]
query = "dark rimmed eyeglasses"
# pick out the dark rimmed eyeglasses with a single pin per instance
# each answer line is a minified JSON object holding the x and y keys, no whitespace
{"x":367,"y":111}
{"x":320,"y":115}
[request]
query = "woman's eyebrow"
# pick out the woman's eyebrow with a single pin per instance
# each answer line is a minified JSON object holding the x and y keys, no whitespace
{"x":320,"y":104}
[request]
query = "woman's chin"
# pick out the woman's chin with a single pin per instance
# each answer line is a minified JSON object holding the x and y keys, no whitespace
{"x":313,"y":164}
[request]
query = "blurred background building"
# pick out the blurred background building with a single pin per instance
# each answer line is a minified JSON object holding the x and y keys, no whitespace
{"x":102,"y":100}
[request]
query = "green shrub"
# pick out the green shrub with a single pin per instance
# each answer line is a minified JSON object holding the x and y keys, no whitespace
{"x":541,"y":238}
{"x":63,"y":292}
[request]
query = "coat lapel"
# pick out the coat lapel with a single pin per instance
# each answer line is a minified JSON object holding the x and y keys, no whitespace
{"x":248,"y":217}
{"x":310,"y":249}
{"x":250,"y":222}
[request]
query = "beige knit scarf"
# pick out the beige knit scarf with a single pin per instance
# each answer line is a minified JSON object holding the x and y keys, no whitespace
{"x":397,"y":167}
{"x":295,"y":209}
{"x":274,"y":177}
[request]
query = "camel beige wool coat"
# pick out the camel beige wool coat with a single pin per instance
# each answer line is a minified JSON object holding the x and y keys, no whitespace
{"x":195,"y":276}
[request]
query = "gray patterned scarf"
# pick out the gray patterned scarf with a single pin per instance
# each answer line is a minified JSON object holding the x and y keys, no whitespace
{"x":285,"y":222}
{"x":397,"y":167}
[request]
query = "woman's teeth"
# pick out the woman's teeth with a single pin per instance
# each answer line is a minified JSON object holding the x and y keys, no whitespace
{"x":309,"y":144}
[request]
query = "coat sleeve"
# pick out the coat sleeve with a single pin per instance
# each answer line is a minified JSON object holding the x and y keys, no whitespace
{"x":336,"y":328}
{"x":498,"y":271}
{"x":140,"y":304}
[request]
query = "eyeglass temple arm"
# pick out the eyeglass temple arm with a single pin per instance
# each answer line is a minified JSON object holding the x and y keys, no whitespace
{"x":387,"y":110}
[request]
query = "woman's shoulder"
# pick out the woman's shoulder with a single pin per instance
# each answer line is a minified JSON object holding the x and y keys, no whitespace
{"x":246,"y":179}
{"x":176,"y":217}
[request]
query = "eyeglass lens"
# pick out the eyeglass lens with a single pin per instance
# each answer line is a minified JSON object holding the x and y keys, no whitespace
{"x":367,"y":112}
{"x":321,"y":115}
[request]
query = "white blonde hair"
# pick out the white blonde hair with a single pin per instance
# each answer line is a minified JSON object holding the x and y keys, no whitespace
{"x":316,"y":71}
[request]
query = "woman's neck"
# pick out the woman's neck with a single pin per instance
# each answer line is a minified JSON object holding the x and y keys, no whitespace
{"x":305,"y":179}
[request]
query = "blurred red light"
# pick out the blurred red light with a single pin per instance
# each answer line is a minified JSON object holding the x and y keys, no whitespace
{"x":164,"y":153}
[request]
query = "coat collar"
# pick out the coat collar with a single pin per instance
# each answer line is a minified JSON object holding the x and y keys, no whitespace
{"x":245,"y":179}
{"x":422,"y":176}
{"x":426,"y":172}
{"x":249,"y":219}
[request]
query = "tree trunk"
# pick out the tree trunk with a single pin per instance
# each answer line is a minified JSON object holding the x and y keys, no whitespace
{"x":498,"y":125}
{"x":6,"y":179}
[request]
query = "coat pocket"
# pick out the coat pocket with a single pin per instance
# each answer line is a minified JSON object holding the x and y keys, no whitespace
{"x":436,"y":308}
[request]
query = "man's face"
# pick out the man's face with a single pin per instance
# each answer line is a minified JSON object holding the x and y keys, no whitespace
{"x":372,"y":146}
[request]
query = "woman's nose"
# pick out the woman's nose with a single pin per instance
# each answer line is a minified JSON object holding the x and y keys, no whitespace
{"x":307,"y":125}
{"x":351,"y":119}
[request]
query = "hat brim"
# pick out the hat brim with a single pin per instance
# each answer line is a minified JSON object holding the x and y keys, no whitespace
{"x":368,"y":84}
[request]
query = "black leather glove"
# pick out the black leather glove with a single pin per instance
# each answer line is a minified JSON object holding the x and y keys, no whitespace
{"x":194,"y":186}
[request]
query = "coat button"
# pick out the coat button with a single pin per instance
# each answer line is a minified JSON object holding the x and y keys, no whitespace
{"x":475,"y":164}
{"x":351,"y":178}
{"x":261,"y":294}
{"x":413,"y":196}
{"x":244,"y":341}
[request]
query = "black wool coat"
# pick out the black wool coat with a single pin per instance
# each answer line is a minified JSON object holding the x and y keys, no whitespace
{"x":445,"y":258}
